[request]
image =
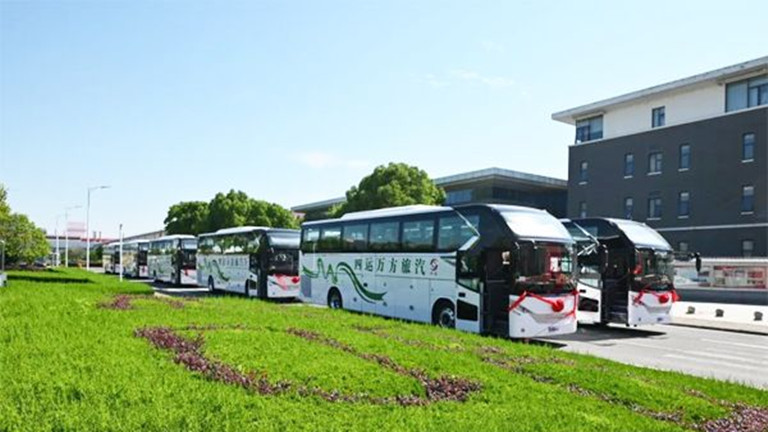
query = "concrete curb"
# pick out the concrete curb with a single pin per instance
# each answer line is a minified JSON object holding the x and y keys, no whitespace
{"x":729,"y":327}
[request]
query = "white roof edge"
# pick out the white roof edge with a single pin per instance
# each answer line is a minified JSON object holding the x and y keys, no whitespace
{"x":242,"y":229}
{"x":384,"y":212}
{"x":569,"y":115}
{"x":501,"y":172}
{"x":173,"y":237}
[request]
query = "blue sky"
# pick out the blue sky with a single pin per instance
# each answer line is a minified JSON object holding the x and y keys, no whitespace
{"x":295,"y":101}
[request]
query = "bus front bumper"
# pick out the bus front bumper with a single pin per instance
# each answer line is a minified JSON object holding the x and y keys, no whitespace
{"x":532,"y":315}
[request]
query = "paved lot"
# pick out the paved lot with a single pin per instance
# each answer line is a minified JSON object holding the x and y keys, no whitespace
{"x":724,"y":295}
{"x":707,"y":353}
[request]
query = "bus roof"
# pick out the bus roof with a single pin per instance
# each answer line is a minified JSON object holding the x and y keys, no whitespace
{"x":637,"y":232}
{"x":247,"y":229}
{"x":140,"y":241}
{"x":530,"y":223}
{"x":173,"y":237}
{"x":384,"y":212}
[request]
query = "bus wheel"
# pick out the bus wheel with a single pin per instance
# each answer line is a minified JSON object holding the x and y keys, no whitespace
{"x":443,"y":314}
{"x":211,"y":287}
{"x":334,"y":299}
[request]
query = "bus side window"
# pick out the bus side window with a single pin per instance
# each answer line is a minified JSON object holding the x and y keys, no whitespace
{"x":418,"y":236}
{"x":309,"y":240}
{"x":453,"y":232}
{"x":330,"y":239}
{"x":385,"y":236}
{"x":355,"y":238}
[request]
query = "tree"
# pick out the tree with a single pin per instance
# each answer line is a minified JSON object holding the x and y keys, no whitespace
{"x":233,"y":209}
{"x":190,"y":217}
{"x":23,"y":240}
{"x":396,"y":184}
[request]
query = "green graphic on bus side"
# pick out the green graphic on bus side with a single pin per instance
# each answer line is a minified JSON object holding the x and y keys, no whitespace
{"x":213,"y":265}
{"x":333,"y":273}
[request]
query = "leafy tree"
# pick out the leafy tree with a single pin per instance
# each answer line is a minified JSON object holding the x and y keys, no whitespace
{"x":23,"y":240}
{"x":235,"y":208}
{"x":190,"y":217}
{"x":396,"y":184}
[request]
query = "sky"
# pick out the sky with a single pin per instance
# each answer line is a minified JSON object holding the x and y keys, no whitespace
{"x":295,"y":101}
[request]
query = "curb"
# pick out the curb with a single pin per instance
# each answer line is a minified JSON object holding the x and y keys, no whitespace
{"x":726,"y":329}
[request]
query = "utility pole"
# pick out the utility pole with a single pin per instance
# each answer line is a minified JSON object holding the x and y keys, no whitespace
{"x":121,"y":252}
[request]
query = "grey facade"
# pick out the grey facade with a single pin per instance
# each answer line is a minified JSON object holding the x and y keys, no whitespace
{"x":715,"y":224}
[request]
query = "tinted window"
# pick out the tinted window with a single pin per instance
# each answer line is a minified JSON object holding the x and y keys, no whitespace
{"x":685,"y":156}
{"x":310,"y":237}
{"x":452,"y":233}
{"x":418,"y":235}
{"x":384,"y":236}
{"x":748,"y":199}
{"x":629,"y":164}
{"x":355,"y":237}
{"x":748,"y":147}
{"x":330,"y":238}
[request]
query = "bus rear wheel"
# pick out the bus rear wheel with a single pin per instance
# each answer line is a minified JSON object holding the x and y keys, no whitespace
{"x":444,"y":314}
{"x":334,"y":299}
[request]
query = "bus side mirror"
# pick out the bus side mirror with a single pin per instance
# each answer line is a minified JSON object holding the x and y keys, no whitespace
{"x":698,"y":262}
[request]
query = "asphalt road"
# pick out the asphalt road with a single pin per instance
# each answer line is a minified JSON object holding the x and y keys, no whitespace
{"x":708,"y":353}
{"x":757,"y":297}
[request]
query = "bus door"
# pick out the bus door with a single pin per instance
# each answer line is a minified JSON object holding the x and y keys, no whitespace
{"x":468,"y":288}
{"x":496,"y":288}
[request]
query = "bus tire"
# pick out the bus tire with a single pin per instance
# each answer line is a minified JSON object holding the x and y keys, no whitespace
{"x":211,"y":285}
{"x":444,"y":314}
{"x":334,"y":299}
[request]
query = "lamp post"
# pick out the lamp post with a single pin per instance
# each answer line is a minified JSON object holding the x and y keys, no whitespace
{"x":56,"y":233}
{"x":66,"y":233}
{"x":121,"y":252}
{"x":88,"y":226}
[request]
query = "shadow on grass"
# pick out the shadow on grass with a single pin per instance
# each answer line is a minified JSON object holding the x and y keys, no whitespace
{"x":47,"y":278}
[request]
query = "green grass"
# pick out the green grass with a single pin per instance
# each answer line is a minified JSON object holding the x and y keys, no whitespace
{"x":68,"y":364}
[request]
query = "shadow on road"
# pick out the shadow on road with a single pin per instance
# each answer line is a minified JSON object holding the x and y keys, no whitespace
{"x":592,"y":333}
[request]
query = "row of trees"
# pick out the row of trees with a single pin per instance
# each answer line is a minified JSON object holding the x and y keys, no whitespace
{"x":232,"y":209}
{"x":23,"y":241}
{"x":396,"y":184}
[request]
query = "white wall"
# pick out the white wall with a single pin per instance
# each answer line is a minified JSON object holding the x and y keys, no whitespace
{"x":680,"y":107}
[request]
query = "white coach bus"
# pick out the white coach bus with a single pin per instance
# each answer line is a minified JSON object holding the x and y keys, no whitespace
{"x":255,"y":261}
{"x":495,"y":269}
{"x":626,"y":272}
{"x":135,"y":258}
{"x":108,"y":262}
{"x":172,"y":259}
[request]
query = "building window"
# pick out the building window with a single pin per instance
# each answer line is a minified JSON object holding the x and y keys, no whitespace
{"x":747,"y":248}
{"x":747,"y":199}
{"x":682,"y":246}
{"x":458,"y":196}
{"x":657,"y":117}
{"x":589,"y":129}
{"x":685,"y":157}
{"x":748,"y":147}
{"x":654,"y":163}
{"x":629,"y":207}
{"x":746,"y":93}
{"x":683,"y":204}
{"x":654,"y":207}
{"x":583,"y":172}
{"x":629,"y":165}
{"x":583,"y":209}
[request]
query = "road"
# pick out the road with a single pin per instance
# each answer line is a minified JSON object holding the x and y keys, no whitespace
{"x":707,"y":353}
{"x":745,"y":296}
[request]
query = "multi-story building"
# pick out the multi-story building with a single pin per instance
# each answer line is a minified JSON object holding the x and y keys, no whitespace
{"x":689,"y":157}
{"x":490,"y":185}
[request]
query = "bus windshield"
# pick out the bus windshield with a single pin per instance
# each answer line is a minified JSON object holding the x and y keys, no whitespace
{"x":189,"y":244}
{"x":284,"y":240}
{"x":529,"y":224}
{"x":284,"y":262}
{"x":655,"y":265}
{"x":545,"y":263}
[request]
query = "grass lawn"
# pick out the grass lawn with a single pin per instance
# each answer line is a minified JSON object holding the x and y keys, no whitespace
{"x":86,"y":352}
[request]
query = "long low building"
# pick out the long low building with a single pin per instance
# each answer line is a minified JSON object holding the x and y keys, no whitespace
{"x":490,"y":185}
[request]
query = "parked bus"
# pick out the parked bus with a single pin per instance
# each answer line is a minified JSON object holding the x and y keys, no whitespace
{"x":255,"y":261}
{"x":494,"y":269}
{"x":626,"y":272}
{"x":108,"y":262}
{"x":171,"y":259}
{"x":135,"y":263}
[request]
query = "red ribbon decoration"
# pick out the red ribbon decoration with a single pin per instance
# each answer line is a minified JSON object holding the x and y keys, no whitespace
{"x":663,"y":297}
{"x":557,"y":304}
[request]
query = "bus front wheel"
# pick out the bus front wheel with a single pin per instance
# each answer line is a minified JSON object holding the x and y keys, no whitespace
{"x":444,"y":314}
{"x":334,"y":299}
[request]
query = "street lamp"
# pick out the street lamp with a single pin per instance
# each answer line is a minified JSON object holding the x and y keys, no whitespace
{"x":88,"y":226}
{"x":66,"y":233}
